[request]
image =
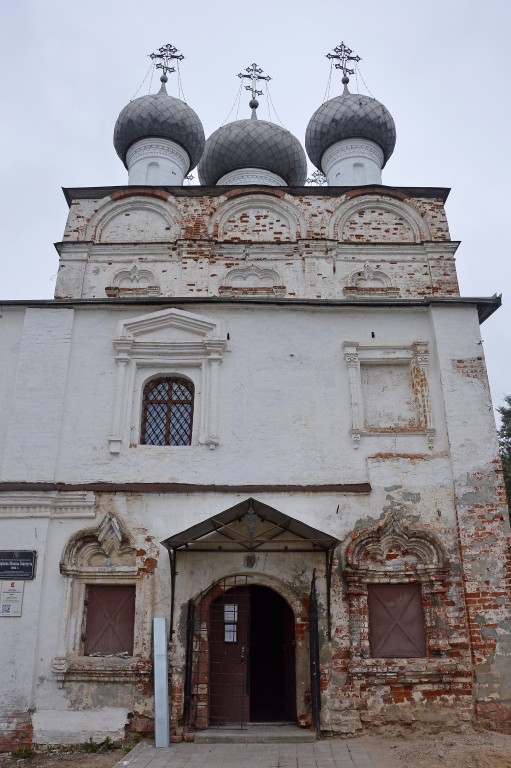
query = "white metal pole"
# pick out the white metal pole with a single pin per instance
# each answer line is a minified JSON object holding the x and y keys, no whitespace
{"x":161,"y":684}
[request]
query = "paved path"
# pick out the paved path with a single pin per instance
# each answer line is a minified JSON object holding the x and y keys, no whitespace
{"x":331,"y":753}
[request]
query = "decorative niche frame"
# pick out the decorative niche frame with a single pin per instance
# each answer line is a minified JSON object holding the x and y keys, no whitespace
{"x":104,"y":556}
{"x":166,"y":343}
{"x":395,"y":553}
{"x":408,"y":363}
{"x":370,"y":282}
{"x":252,"y":281}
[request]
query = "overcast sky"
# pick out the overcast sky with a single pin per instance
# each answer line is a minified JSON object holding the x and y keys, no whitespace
{"x":441,"y":67}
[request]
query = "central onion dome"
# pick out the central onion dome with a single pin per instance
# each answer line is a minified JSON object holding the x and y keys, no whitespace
{"x":160,"y":118}
{"x":249,"y":146}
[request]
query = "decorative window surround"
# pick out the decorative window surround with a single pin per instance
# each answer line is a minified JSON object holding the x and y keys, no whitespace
{"x":105,"y":555}
{"x":161,"y":343}
{"x":416,"y":357}
{"x":393,"y":553}
{"x":52,"y":504}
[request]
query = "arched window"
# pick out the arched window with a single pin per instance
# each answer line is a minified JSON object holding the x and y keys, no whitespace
{"x":167,"y":412}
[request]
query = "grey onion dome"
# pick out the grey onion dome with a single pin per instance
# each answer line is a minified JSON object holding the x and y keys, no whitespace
{"x":349,"y":116}
{"x":253,"y":143}
{"x":160,"y":116}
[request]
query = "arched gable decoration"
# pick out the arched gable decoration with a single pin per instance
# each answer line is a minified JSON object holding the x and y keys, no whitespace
{"x":413,"y":227}
{"x":257,"y":217}
{"x":396,"y":553}
{"x":130,"y":218}
{"x":132,"y":282}
{"x":252,"y":281}
{"x":369,"y":281}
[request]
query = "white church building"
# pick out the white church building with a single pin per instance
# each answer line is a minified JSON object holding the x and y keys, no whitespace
{"x":258,"y":409}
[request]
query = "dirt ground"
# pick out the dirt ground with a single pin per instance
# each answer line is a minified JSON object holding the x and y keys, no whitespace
{"x":471,"y":749}
{"x":62,"y":759}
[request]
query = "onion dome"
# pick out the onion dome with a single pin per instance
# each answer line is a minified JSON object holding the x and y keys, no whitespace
{"x":159,"y":115}
{"x":253,"y":143}
{"x":349,"y":116}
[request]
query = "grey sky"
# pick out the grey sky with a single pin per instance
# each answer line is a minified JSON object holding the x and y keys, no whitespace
{"x":441,"y":67}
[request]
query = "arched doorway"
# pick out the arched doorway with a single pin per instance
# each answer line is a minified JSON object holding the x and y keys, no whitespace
{"x":252,"y":674}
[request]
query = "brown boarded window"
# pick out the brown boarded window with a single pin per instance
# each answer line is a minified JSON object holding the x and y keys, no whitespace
{"x":167,"y":412}
{"x":396,"y":621}
{"x":110,"y":619}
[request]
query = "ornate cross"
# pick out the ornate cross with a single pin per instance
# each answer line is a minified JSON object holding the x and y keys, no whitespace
{"x":255,"y":73}
{"x":166,"y":53}
{"x":343,"y":54}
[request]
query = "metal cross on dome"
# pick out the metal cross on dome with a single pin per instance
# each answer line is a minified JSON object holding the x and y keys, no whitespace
{"x":255,"y":73}
{"x":343,"y":54}
{"x":166,"y":54}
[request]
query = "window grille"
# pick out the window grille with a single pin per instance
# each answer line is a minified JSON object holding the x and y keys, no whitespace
{"x":167,"y":412}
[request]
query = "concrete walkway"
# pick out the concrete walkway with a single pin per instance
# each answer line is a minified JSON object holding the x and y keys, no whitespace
{"x":330,"y":753}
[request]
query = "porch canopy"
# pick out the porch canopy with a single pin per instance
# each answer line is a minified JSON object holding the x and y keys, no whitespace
{"x":252,"y":527}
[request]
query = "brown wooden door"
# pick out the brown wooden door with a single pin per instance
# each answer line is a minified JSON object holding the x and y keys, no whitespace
{"x":229,"y":695}
{"x":252,"y":657}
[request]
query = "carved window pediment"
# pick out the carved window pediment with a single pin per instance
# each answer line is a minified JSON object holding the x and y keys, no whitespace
{"x":393,"y":547}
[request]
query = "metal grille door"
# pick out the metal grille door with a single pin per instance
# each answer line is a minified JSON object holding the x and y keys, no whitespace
{"x":314,"y":656}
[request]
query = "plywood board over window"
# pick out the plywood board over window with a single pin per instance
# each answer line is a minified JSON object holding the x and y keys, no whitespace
{"x":396,"y":621}
{"x":110,"y":620}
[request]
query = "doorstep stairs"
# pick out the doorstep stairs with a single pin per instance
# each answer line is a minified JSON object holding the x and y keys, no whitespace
{"x":256,"y":733}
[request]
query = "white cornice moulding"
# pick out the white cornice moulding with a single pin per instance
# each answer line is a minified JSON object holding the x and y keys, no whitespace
{"x":53,"y":504}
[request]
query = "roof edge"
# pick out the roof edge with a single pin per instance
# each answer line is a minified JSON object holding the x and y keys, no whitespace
{"x":88,"y":193}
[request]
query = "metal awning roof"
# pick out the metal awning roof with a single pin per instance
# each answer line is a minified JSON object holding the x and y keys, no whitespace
{"x":251,"y":526}
{"x":254,"y":527}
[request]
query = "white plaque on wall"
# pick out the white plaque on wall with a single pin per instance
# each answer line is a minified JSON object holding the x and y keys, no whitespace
{"x":11,"y":598}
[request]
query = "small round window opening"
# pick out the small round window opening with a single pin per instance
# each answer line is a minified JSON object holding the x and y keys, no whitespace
{"x":167,"y":412}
